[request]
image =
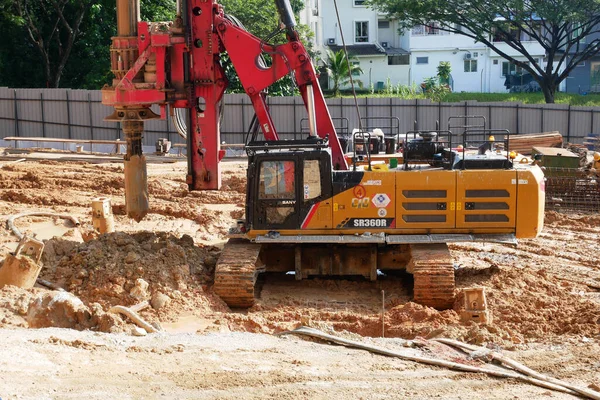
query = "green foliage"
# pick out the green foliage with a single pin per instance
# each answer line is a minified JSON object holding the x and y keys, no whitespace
{"x":389,"y":88}
{"x":157,"y":10}
{"x":561,"y":27}
{"x":429,"y":83}
{"x":408,"y":92}
{"x":88,"y":65}
{"x":262,"y":20}
{"x":438,"y":92}
{"x":414,"y":92}
{"x":18,"y":59}
{"x":574,"y":99}
{"x":443,"y":72}
{"x":337,"y":69}
{"x":434,"y":89}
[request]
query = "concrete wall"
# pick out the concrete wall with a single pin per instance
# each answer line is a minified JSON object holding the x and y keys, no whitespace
{"x":463,"y":81}
{"x":376,"y":69}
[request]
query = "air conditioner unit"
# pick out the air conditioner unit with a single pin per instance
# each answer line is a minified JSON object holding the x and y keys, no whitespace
{"x":331,"y":41}
{"x":384,"y":45}
{"x":468,"y":56}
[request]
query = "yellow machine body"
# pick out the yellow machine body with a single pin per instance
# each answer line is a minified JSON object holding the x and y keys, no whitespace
{"x":432,"y":202}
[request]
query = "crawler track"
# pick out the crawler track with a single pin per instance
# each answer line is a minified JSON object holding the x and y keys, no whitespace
{"x":236,"y":272}
{"x":433,"y":272}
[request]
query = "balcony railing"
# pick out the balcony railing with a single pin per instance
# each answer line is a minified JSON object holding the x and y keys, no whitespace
{"x":423,"y":30}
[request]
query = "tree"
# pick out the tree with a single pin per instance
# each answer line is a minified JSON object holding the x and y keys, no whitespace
{"x":92,"y":48}
{"x":337,"y":68}
{"x":88,"y":64}
{"x":561,"y":27}
{"x":52,"y":26}
{"x":261,"y":19}
{"x":443,"y":72}
{"x":74,"y":49}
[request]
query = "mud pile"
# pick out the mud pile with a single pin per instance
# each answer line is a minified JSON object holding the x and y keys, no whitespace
{"x":537,"y":305}
{"x":527,"y":306}
{"x":122,"y":269}
{"x":14,"y":304}
{"x":554,"y":218}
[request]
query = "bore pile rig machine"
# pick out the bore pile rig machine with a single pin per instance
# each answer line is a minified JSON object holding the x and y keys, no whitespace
{"x":177,"y":64}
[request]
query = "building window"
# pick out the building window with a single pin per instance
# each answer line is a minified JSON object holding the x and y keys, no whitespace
{"x":359,"y":3}
{"x":495,"y":62}
{"x":383,"y":24}
{"x":399,"y":60}
{"x":594,"y":76}
{"x":361,"y":32}
{"x":470,"y":65}
{"x":422,"y":60}
{"x":509,"y":68}
{"x":577,"y":31}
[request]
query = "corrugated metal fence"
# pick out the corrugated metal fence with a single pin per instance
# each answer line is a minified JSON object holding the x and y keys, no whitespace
{"x":79,"y":114}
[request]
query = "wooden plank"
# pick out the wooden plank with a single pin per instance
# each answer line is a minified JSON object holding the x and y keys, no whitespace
{"x":524,"y":143}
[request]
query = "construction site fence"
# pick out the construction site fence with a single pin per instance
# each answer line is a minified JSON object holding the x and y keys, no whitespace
{"x":79,"y":114}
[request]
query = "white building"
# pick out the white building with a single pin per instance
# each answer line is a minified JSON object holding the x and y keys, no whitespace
{"x":409,"y":58}
{"x":374,"y":40}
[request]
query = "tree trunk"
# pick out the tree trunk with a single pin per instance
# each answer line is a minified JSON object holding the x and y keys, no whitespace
{"x":549,"y":89}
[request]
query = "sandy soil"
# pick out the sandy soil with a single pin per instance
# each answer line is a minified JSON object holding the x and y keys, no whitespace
{"x":544,"y":296}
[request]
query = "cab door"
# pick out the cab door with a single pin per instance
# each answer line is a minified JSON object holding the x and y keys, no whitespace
{"x":275,"y":194}
{"x":316,"y":195}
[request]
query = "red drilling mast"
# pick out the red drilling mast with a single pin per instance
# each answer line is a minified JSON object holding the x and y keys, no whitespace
{"x":178,"y":64}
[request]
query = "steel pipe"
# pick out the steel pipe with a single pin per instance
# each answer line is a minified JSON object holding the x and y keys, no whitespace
{"x":128,"y":16}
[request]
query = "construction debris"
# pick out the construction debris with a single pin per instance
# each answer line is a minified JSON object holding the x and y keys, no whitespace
{"x":22,"y":268}
{"x":102,"y":216}
{"x":524,"y":143}
{"x":58,"y":309}
{"x":475,"y":306}
{"x":524,"y":374}
{"x":139,"y":321}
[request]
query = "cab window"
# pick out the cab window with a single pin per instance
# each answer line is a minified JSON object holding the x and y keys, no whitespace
{"x":312,"y":180}
{"x":277,"y":180}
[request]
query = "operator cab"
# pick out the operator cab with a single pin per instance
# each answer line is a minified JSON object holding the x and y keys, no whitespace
{"x":285,"y":179}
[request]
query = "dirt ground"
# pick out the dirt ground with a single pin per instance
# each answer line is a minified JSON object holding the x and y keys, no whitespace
{"x":544,"y":296}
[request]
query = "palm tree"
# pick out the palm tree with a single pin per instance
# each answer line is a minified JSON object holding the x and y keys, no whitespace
{"x":337,"y":69}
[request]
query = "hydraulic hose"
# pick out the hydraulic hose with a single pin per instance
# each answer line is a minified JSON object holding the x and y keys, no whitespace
{"x":10,"y":222}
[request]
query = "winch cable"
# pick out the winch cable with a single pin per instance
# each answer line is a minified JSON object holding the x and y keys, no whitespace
{"x":337,"y":13}
{"x":360,"y":127}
